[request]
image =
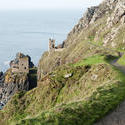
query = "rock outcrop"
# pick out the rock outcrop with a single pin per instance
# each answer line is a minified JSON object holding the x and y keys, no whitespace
{"x":112,"y":10}
{"x":17,"y":78}
{"x":10,"y":83}
{"x":103,"y":24}
{"x":93,"y":14}
{"x":118,"y":15}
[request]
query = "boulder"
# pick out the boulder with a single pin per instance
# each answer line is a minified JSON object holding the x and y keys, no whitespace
{"x":68,"y":75}
{"x":10,"y":83}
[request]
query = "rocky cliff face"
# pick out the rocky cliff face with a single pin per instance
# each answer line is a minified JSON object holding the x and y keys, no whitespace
{"x":17,"y":78}
{"x":92,"y":14}
{"x":103,"y":25}
{"x":10,"y":83}
{"x":114,"y":13}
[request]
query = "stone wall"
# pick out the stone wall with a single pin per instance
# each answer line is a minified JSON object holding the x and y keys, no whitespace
{"x":15,"y":67}
{"x":21,"y":63}
{"x":51,"y":44}
{"x":24,"y":65}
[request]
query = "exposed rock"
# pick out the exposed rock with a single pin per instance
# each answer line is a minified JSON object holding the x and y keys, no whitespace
{"x":123,"y":20}
{"x":11,"y":83}
{"x":110,"y":36}
{"x":113,"y":44}
{"x":91,"y":16}
{"x":118,"y":14}
{"x":94,"y":77}
{"x":68,"y":75}
{"x":85,"y":20}
{"x":94,"y":13}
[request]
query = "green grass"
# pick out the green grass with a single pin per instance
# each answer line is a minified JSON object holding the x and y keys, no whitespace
{"x":91,"y":60}
{"x":103,"y":100}
{"x":96,"y":59}
{"x":77,"y":100}
{"x":121,"y":61}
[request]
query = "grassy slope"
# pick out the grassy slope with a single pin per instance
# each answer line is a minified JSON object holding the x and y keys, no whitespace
{"x":94,"y":89}
{"x":78,"y":47}
{"x":121,"y":61}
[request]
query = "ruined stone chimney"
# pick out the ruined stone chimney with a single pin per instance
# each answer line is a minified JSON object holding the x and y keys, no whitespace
{"x":51,"y":44}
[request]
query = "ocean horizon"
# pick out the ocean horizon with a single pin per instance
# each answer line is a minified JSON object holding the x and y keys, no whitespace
{"x":29,"y":32}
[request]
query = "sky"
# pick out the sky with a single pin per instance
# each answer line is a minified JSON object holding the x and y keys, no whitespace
{"x":46,"y":4}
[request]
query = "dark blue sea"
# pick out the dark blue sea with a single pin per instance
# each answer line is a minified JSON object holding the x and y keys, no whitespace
{"x":28,"y":32}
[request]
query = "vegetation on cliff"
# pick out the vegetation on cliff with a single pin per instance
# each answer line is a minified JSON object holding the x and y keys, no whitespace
{"x":122,"y":60}
{"x":77,"y":86}
{"x":89,"y":93}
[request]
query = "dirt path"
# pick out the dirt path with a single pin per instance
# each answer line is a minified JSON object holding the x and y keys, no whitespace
{"x":117,"y":117}
{"x":120,"y":67}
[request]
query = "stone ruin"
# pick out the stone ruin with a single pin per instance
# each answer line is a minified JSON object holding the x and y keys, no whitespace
{"x":51,"y":44}
{"x":53,"y":47}
{"x":21,"y":64}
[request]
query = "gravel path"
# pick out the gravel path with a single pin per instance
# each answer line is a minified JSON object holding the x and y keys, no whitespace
{"x":117,"y":117}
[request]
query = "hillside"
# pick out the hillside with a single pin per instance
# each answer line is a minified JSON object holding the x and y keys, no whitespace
{"x":84,"y":83}
{"x":102,"y":25}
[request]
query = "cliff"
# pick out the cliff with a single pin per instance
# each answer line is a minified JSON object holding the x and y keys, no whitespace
{"x":17,"y":78}
{"x":101,"y":25}
{"x":12,"y":83}
{"x":85,"y":83}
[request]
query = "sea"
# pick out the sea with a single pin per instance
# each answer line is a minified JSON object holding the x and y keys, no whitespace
{"x":28,"y":31}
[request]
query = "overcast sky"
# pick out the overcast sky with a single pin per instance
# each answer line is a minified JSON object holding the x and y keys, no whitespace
{"x":46,"y":4}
